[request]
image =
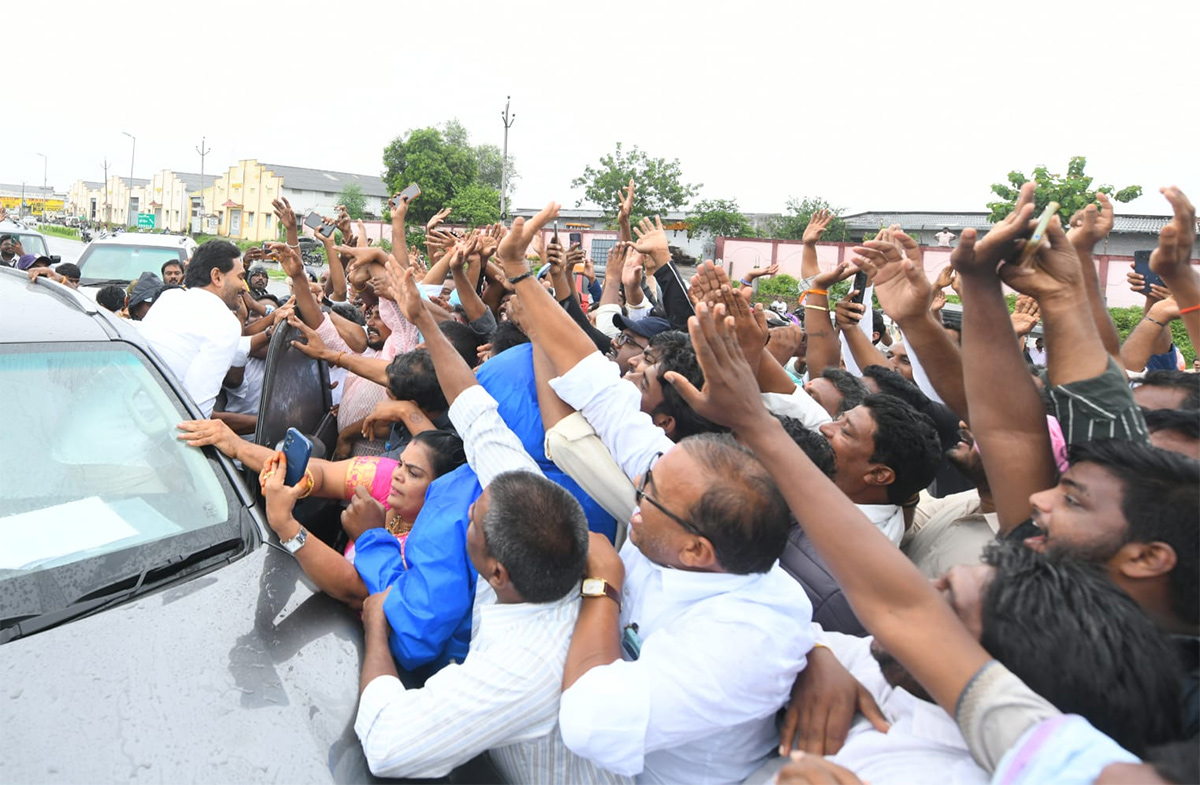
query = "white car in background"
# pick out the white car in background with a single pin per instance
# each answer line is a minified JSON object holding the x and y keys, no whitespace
{"x":120,"y":259}
{"x":31,"y":242}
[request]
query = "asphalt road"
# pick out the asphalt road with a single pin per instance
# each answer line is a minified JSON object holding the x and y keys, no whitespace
{"x":69,"y":250}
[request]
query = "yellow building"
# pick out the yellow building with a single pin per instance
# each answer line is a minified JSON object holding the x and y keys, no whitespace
{"x":174,"y":197}
{"x":36,"y":200}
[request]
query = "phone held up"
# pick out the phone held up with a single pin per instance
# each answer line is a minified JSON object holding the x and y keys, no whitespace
{"x":298,"y":449}
{"x":1141,"y":266}
{"x":315,"y":222}
{"x":859,"y":287}
{"x":408,"y":194}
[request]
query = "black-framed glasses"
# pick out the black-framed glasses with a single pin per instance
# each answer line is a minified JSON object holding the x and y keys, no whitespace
{"x":640,"y":492}
{"x":623,"y":339}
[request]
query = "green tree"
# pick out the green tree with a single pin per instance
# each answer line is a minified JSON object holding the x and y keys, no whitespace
{"x":352,"y":197}
{"x":487,"y":156}
{"x":660,"y":188}
{"x":791,"y":225}
{"x":718,"y":218}
{"x":1073,"y":192}
{"x":424,"y":157}
{"x":475,"y":205}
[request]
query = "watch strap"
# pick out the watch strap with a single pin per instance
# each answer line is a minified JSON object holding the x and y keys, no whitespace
{"x":609,"y":590}
{"x":297,"y":542}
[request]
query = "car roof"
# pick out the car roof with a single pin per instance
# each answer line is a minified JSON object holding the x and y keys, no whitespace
{"x":42,"y":311}
{"x":12,"y":227}
{"x":148,"y":240}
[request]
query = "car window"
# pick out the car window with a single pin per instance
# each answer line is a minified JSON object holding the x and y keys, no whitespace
{"x":123,"y":262}
{"x":91,"y":468}
{"x":31,"y":243}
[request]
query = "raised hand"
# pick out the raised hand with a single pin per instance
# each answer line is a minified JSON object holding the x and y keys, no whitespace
{"x":625,"y":208}
{"x":730,"y":395}
{"x":437,"y":219}
{"x":1092,"y":224}
{"x":652,"y":241}
{"x":289,"y":260}
{"x":1176,"y":238}
{"x":284,"y":213}
{"x":631,"y":275}
{"x":818,"y":222}
{"x":847,"y":313}
{"x":945,"y":277}
{"x":408,"y":296}
{"x":899,"y":276}
{"x":400,"y":211}
{"x":938,"y":302}
{"x":1025,"y":315}
{"x":281,"y":498}
{"x":835,"y":274}
{"x":1052,"y":272}
{"x":342,"y":221}
{"x":511,"y":250}
{"x":1001,"y":245}
{"x":784,"y":343}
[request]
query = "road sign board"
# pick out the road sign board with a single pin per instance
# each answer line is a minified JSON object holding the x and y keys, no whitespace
{"x":145,"y":220}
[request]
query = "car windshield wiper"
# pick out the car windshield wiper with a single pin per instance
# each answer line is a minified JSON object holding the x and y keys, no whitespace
{"x":104,"y":281}
{"x":112,"y":594}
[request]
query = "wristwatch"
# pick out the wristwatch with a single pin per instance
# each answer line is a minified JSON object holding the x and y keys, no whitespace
{"x":598,"y":587}
{"x":297,"y":542}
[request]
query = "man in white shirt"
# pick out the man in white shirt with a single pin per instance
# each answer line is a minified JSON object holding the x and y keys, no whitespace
{"x":528,"y":540}
{"x":713,"y":628}
{"x":194,"y":330}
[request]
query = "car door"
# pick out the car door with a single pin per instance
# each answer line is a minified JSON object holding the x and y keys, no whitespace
{"x":296,"y":394}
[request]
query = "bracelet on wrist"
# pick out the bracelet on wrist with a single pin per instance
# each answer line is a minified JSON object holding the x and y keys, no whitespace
{"x":521,"y":277}
{"x":1189,"y":309}
{"x":1156,"y":321}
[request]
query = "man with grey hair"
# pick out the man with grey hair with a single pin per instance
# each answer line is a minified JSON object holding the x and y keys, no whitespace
{"x":528,"y":540}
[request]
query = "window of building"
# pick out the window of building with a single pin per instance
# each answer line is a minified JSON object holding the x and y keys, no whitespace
{"x":249,"y":220}
{"x":267,"y":221}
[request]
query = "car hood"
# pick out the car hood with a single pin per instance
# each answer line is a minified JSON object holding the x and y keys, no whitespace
{"x":242,"y":674}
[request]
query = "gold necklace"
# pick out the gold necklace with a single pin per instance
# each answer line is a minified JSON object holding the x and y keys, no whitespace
{"x":397,"y":526}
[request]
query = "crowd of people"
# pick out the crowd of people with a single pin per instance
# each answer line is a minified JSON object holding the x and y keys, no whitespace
{"x":632,"y":527}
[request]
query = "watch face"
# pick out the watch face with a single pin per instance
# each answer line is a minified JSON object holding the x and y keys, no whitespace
{"x":592,"y":587}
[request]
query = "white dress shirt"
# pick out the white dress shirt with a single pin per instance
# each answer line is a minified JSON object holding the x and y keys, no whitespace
{"x":196,"y":335}
{"x":719,"y":654}
{"x":923,"y":743}
{"x":504,"y":698}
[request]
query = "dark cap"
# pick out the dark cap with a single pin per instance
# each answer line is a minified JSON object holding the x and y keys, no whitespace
{"x":647,"y":328}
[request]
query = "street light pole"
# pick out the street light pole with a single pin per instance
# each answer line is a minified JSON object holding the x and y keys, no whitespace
{"x":203,"y":151}
{"x":508,"y":121}
{"x":45,"y":164}
{"x":129,"y":201}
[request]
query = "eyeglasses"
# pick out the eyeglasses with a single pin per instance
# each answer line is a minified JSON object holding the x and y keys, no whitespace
{"x":640,"y":492}
{"x":623,"y":339}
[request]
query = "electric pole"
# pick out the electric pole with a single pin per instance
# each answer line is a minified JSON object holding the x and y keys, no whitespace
{"x":508,"y":121}
{"x":107,"y":208}
{"x":203,"y":151}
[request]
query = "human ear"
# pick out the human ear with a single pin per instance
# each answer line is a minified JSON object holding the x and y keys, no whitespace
{"x":667,"y":423}
{"x":880,"y":475}
{"x":1146,"y":559}
{"x":698,"y":554}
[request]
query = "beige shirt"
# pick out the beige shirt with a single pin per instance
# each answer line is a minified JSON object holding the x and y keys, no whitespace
{"x":948,"y":531}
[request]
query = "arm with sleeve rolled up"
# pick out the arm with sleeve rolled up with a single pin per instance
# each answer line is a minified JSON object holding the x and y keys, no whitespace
{"x":1172,"y":260}
{"x":1148,"y":334}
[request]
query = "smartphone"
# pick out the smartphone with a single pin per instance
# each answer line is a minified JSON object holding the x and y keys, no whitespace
{"x":298,"y":449}
{"x":575,"y":238}
{"x":1141,"y":266}
{"x":314,"y":221}
{"x":327,"y":229}
{"x":1039,"y":232}
{"x":555,"y":239}
{"x":859,"y":286}
{"x":409,"y":193}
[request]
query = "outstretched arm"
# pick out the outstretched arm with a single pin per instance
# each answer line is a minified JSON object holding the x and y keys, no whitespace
{"x":1172,"y":261}
{"x":889,"y":595}
{"x":1007,"y":414}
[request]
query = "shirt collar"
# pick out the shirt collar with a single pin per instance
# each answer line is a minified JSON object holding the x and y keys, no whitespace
{"x":496,"y":615}
{"x":878,"y":513}
{"x":929,"y":721}
{"x":686,"y":585}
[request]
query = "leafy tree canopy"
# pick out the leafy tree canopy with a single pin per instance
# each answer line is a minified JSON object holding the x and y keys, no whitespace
{"x":791,"y":225}
{"x":475,"y":205}
{"x":718,"y":218}
{"x":1073,"y":192}
{"x":352,"y":197}
{"x":660,"y":186}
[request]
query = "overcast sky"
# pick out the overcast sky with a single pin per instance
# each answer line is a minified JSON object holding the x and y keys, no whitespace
{"x":917,"y":106}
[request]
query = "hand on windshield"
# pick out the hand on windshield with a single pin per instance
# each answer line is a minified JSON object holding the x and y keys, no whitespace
{"x":202,"y":433}
{"x":315,"y":348}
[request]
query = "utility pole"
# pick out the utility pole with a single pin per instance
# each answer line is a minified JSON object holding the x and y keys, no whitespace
{"x":129,"y":217}
{"x":107,"y":209}
{"x":508,"y":121}
{"x":203,"y":151}
{"x":45,"y":163}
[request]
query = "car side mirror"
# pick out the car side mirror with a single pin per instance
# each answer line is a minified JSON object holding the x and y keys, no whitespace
{"x":55,"y":259}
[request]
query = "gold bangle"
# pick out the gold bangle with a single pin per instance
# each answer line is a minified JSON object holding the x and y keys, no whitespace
{"x":817,"y":307}
{"x":312,"y":483}
{"x":337,"y":361}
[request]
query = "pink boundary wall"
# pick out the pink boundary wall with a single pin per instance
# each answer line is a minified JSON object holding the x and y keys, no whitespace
{"x":740,"y":255}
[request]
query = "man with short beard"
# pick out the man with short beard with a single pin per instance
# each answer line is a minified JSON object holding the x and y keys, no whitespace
{"x":194,"y":330}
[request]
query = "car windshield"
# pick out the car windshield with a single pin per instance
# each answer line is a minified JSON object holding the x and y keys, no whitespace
{"x":94,"y":486}
{"x":106,"y":261}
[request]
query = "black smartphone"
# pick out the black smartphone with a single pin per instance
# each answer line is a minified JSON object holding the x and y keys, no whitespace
{"x":575,"y":238}
{"x":298,"y":449}
{"x":555,"y":239}
{"x":859,"y":287}
{"x":327,"y":229}
{"x":1141,"y":266}
{"x":314,"y":220}
{"x":409,"y":193}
